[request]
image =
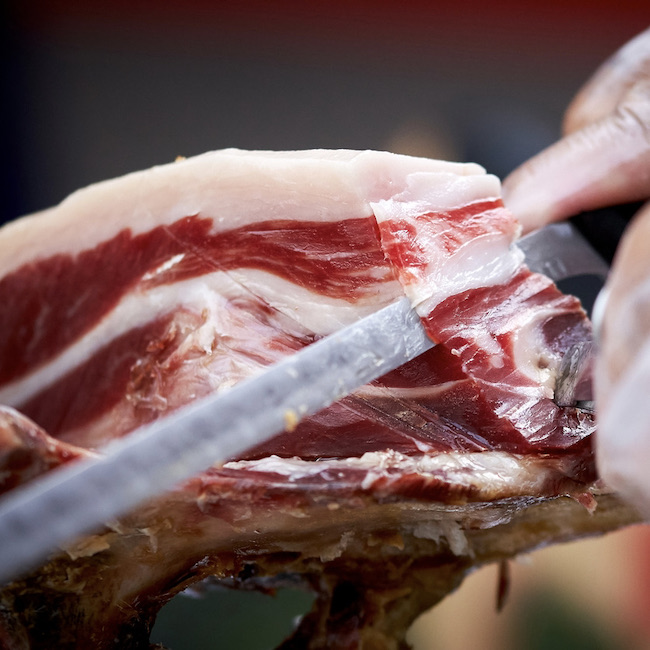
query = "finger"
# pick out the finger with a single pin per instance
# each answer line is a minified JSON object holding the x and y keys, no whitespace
{"x":605,"y":163}
{"x":622,"y":377}
{"x":626,"y":322}
{"x":601,"y":95}
{"x":623,"y":436}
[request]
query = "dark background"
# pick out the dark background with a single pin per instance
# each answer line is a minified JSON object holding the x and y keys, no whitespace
{"x":93,"y":90}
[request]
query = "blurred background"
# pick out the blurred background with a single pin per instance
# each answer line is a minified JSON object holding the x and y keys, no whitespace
{"x":95,"y":89}
{"x":92,"y":90}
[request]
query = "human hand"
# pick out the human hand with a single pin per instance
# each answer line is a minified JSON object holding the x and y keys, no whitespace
{"x":604,"y":159}
{"x":622,"y":372}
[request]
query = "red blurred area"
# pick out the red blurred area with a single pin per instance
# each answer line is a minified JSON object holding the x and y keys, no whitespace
{"x":418,"y":23}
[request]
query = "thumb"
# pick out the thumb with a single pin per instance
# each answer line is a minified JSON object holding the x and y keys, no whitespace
{"x":622,"y":377}
{"x":623,"y":437}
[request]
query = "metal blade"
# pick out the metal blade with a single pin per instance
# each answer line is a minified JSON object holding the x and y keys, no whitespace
{"x":573,"y":383}
{"x":77,"y":498}
{"x":561,"y":252}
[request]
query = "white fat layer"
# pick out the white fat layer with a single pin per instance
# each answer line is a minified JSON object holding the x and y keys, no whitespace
{"x":531,"y":353}
{"x":207,"y":295}
{"x":493,"y":471}
{"x":439,"y":190}
{"x":484,"y":261}
{"x":233,"y":187}
{"x":408,"y":393}
{"x":319,"y":314}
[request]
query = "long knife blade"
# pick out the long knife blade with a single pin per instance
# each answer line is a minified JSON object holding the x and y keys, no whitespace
{"x":73,"y":500}
{"x":561,"y":252}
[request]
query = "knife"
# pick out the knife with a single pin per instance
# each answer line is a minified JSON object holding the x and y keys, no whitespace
{"x":75,"y":499}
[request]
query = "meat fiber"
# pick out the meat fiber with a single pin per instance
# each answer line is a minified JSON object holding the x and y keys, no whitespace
{"x":138,"y":295}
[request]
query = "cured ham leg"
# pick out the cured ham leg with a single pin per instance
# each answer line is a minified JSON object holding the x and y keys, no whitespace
{"x":138,"y":295}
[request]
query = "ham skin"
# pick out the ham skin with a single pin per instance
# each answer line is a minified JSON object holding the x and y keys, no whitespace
{"x":138,"y":295}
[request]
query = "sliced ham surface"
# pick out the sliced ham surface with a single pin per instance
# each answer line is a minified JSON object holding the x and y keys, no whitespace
{"x":138,"y":295}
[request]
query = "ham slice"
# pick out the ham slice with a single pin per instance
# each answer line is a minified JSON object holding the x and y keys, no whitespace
{"x":138,"y":295}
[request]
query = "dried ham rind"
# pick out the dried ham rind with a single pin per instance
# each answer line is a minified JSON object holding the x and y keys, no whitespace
{"x":138,"y":295}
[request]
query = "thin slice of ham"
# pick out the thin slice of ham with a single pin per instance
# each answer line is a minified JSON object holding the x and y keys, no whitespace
{"x":138,"y":295}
